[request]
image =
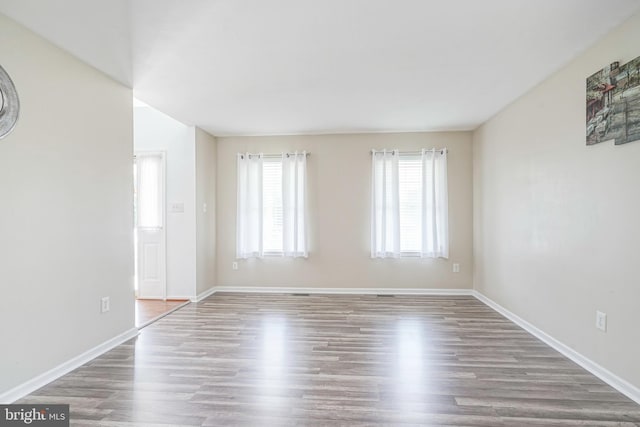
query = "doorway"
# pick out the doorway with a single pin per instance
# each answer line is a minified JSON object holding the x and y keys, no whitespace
{"x":150,"y":239}
{"x":149,"y":225}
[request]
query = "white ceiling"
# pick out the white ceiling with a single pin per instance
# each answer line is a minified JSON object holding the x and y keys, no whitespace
{"x":256,"y":67}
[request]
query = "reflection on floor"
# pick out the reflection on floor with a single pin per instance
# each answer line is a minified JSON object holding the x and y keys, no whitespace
{"x":336,"y":360}
{"x":150,"y":310}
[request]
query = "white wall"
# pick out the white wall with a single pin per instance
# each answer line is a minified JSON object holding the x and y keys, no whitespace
{"x":556,"y":226}
{"x":155,"y":131}
{"x":66,"y":218}
{"x":206,"y":149}
{"x":339,"y":172}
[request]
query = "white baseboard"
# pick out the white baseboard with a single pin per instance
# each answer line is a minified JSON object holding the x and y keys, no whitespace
{"x":333,"y":291}
{"x":204,"y":294}
{"x":33,"y":384}
{"x":623,"y":386}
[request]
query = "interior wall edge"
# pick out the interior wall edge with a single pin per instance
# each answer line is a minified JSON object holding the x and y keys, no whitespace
{"x":204,"y":294}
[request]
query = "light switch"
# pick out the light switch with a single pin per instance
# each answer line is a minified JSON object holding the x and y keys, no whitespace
{"x":176,"y":207}
{"x":601,"y":321}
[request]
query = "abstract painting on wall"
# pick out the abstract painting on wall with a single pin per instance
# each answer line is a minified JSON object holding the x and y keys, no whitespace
{"x":613,"y":104}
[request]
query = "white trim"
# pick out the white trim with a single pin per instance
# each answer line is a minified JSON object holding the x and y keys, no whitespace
{"x":623,"y":386}
{"x":203,"y":295}
{"x":350,"y":291}
{"x":41,"y":380}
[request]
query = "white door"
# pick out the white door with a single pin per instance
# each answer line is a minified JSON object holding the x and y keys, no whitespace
{"x":150,"y":231}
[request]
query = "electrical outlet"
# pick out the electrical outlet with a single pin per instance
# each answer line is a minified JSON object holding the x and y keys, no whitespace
{"x":204,"y":208}
{"x":104,"y":304}
{"x":234,"y":265}
{"x":601,"y":321}
{"x":456,"y":267}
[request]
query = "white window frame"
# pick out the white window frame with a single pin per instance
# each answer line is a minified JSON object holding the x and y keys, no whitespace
{"x":389,"y":204}
{"x":251,"y":211}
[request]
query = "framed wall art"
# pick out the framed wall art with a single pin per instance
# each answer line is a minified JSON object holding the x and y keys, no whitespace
{"x":613,"y":104}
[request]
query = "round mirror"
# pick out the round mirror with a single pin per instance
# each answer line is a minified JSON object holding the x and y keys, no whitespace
{"x":9,"y":104}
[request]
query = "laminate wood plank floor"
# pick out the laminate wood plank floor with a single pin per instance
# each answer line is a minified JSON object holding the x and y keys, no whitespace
{"x":150,"y":310}
{"x":336,"y":360}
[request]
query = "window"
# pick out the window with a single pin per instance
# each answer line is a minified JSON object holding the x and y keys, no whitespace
{"x":409,"y":204}
{"x":149,"y":203}
{"x":409,"y":198}
{"x":271,"y":205}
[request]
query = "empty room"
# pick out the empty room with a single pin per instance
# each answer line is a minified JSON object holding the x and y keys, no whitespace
{"x":320,"y":213}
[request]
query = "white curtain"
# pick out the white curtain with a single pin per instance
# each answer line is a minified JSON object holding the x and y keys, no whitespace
{"x":149,"y":191}
{"x":249,"y":206}
{"x":385,"y":206}
{"x":435,"y":202}
{"x":294,"y":176}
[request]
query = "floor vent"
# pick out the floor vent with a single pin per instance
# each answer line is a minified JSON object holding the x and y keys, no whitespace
{"x":300,"y":295}
{"x":385,"y":295}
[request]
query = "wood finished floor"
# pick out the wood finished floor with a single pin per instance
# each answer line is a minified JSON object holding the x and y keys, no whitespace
{"x":336,"y":360}
{"x":149,"y":310}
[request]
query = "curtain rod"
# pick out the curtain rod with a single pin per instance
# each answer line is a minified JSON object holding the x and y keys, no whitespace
{"x":273,"y":156}
{"x":412,"y":153}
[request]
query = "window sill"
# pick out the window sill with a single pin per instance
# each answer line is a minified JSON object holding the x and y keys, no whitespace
{"x":410,"y":255}
{"x":282,"y":255}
